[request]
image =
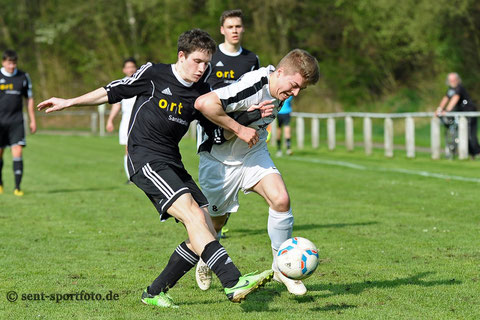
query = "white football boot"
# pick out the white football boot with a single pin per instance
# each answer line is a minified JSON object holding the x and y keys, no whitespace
{"x":203,"y":274}
{"x":295,"y":287}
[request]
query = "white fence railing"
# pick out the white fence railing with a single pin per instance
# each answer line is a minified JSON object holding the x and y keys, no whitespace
{"x":97,"y":126}
{"x":409,"y":121}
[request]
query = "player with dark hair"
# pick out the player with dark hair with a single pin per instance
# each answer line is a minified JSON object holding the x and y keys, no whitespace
{"x":231,"y":60}
{"x":160,"y":118}
{"x":226,"y":167}
{"x":14,"y":85}
{"x":126,"y":105}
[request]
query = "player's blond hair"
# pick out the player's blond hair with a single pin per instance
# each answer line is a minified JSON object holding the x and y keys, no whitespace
{"x":304,"y":63}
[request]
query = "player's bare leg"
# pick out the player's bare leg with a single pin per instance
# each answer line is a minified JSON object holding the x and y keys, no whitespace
{"x":280,"y":223}
{"x":201,"y":242}
{"x":17,"y":168}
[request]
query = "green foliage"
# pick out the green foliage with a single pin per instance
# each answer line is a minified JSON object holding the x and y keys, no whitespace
{"x":367,"y":49}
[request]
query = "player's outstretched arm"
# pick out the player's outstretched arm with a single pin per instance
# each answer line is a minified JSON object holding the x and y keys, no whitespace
{"x":95,"y":97}
{"x":209,"y":104}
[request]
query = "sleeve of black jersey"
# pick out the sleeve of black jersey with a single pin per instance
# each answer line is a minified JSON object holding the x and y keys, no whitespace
{"x":27,"y":88}
{"x":257,"y":64}
{"x":140,"y":83}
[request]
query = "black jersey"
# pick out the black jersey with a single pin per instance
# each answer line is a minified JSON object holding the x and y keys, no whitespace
{"x":161,"y":115}
{"x":464,"y":103}
{"x":13,"y":87}
{"x":228,"y":68}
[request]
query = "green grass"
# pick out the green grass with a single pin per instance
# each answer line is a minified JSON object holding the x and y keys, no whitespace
{"x":393,"y":245}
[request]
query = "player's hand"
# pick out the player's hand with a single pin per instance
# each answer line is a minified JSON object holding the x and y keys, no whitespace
{"x":443,"y":113}
{"x":53,"y":104}
{"x":33,"y":127}
{"x":265,"y":107}
{"x":249,"y":135}
{"x":110,"y":127}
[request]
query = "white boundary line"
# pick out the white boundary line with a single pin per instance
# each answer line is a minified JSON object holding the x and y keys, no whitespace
{"x":380,"y":169}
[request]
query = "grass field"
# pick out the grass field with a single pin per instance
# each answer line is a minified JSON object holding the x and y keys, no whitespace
{"x":398,"y":238}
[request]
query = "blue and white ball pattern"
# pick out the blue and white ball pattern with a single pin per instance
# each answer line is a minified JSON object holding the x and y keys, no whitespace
{"x":297,"y":258}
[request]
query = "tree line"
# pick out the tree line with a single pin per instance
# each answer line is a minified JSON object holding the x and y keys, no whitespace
{"x":366,"y":48}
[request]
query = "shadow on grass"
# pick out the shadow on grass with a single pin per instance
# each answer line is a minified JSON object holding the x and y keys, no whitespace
{"x":359,"y":287}
{"x":259,"y":301}
{"x":303,"y":227}
{"x":66,"y":190}
{"x":334,"y":307}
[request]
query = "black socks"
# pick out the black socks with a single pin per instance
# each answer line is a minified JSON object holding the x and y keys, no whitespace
{"x":181,"y":261}
{"x":217,"y":259}
{"x":18,"y":171}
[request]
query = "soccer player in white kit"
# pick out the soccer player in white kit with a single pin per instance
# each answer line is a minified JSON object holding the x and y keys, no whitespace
{"x":126,"y":105}
{"x":226,"y":167}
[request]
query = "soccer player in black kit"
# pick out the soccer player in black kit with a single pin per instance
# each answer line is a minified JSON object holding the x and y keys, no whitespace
{"x":231,"y":60}
{"x":160,"y":118}
{"x":14,"y":86}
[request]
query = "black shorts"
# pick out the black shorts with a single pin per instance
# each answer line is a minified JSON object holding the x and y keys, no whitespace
{"x":163,"y":183}
{"x":283,"y":119}
{"x":12,"y":134}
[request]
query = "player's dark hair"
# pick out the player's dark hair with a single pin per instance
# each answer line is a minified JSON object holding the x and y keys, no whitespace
{"x":229,"y":14}
{"x":130,"y":59}
{"x":9,"y":54}
{"x":196,"y":39}
{"x":304,"y":63}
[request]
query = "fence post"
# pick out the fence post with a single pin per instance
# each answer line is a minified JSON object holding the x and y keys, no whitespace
{"x":273,"y":134}
{"x":367,"y":135}
{"x":300,"y":132}
{"x":410,"y":137}
{"x":331,"y":133}
{"x":463,"y":138}
{"x":315,"y":132}
{"x":93,"y":122}
{"x":101,"y":115}
{"x":435,"y":137}
{"x":388,"y":137}
{"x":349,"y":133}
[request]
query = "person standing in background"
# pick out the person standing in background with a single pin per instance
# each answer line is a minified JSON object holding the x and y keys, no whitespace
{"x":283,"y":118}
{"x":14,"y":84}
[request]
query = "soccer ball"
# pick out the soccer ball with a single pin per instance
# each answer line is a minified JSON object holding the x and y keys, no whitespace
{"x":297,"y":258}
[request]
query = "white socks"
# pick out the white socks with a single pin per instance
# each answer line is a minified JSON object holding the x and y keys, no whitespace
{"x":280,"y":225}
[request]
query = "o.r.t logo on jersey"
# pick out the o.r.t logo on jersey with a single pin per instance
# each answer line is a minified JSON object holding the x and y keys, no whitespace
{"x":173,"y":107}
{"x":8,"y":86}
{"x":225,"y":74}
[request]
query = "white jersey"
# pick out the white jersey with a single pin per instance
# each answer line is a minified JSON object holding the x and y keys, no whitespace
{"x":127,"y":106}
{"x":251,"y":89}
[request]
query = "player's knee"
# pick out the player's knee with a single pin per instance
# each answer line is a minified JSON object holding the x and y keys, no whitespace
{"x":281,"y":202}
{"x":195,"y":217}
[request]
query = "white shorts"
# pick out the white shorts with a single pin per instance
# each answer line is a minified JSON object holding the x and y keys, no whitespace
{"x":123,"y":131}
{"x":220,"y":183}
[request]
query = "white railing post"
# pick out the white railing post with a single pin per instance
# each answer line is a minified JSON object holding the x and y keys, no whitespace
{"x":367,"y":135}
{"x":463,"y":138}
{"x":435,"y":138}
{"x":93,"y":122}
{"x":101,"y":116}
{"x":300,"y":132}
{"x":410,"y":137}
{"x":331,"y":133}
{"x":315,"y":132}
{"x":349,"y":133}
{"x":273,"y":133}
{"x":388,"y":137}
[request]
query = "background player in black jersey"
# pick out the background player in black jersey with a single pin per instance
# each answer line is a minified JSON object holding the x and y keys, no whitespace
{"x":14,"y":85}
{"x":160,"y":118}
{"x":231,"y":60}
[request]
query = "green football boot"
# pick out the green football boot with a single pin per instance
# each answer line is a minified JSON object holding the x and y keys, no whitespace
{"x":247,"y":284}
{"x":162,"y":300}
